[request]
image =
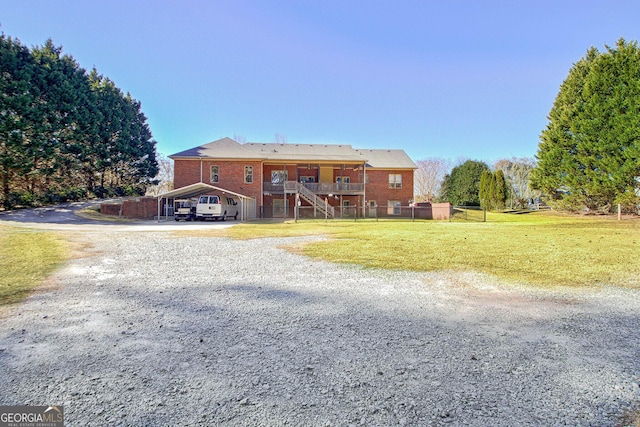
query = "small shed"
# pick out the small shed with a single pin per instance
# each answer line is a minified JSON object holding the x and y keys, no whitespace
{"x":165,"y":200}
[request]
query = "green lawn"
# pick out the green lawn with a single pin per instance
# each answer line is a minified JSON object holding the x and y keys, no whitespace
{"x":27,"y":257}
{"x":540,"y":248}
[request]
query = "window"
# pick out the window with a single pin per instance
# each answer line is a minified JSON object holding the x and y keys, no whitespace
{"x":248,"y":174}
{"x":210,"y":200}
{"x":395,"y":180}
{"x":215,"y":176}
{"x":343,"y":182}
{"x":394,"y":207}
{"x":304,"y":179}
{"x":278,"y":177}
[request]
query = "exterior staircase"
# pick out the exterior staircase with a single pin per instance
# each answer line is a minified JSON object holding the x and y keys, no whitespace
{"x":294,"y":187}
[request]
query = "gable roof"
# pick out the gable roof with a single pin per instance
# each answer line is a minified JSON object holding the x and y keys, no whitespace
{"x":319,"y":152}
{"x":387,"y":159}
{"x":227,"y":148}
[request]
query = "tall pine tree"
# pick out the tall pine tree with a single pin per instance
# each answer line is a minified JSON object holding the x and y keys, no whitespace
{"x":66,"y":134}
{"x":589,"y":154}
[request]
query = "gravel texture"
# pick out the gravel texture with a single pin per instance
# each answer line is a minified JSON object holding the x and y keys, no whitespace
{"x":148,"y":328}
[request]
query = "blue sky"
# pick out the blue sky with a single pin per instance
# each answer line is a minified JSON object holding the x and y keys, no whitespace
{"x":453,"y":79}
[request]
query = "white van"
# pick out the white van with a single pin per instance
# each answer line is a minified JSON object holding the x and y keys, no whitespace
{"x":216,"y":207}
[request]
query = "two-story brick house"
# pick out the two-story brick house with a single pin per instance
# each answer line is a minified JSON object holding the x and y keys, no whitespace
{"x":278,"y":176}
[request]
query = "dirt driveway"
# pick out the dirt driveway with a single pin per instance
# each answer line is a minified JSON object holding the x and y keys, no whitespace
{"x":151,"y":328}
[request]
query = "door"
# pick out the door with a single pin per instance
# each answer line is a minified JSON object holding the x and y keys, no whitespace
{"x":373,"y":209}
{"x":278,"y":208}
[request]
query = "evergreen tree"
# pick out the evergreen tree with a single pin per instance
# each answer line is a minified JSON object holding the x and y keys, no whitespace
{"x":63,"y":131}
{"x":16,"y":116}
{"x":485,"y":189}
{"x":493,"y":190}
{"x":462,"y":186}
{"x":588,"y":157}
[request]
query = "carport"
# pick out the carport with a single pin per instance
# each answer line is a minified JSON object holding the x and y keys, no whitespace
{"x":247,"y":204}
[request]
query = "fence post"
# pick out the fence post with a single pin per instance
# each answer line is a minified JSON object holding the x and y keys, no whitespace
{"x":326,"y":209}
{"x":484,"y":215}
{"x":619,"y":212}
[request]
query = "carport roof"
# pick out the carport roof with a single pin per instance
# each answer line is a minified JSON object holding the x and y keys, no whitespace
{"x":197,"y":189}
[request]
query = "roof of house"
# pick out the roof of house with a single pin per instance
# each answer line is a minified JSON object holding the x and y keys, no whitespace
{"x":387,"y":159}
{"x":227,"y":148}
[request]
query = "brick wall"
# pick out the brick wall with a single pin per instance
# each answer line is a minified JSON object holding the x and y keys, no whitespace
{"x":378,"y":187}
{"x":138,"y":208}
{"x":185,"y":172}
{"x":110,"y":208}
{"x":230,"y":175}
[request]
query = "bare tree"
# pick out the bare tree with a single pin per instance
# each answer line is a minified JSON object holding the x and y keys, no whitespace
{"x":517,"y":173}
{"x":429,"y":177}
{"x":164,"y":178}
{"x":281,"y":139}
{"x":239,"y":138}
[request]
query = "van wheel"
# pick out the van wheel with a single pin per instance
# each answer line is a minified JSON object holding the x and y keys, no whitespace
{"x":235,"y":217}
{"x":224,"y":216}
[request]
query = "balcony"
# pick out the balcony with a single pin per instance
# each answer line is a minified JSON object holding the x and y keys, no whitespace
{"x":316,"y":187}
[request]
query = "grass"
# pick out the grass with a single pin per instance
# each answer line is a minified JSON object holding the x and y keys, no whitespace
{"x":27,"y":257}
{"x":544,"y":249}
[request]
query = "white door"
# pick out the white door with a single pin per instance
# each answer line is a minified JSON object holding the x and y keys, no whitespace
{"x":373,"y":206}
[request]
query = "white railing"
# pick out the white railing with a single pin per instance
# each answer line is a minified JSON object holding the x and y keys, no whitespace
{"x":337,"y":188}
{"x":319,"y":187}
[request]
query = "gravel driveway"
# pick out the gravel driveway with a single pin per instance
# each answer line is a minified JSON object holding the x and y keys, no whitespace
{"x":152,"y":329}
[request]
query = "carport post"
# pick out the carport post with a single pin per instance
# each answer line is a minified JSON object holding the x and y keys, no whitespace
{"x":159,"y":202}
